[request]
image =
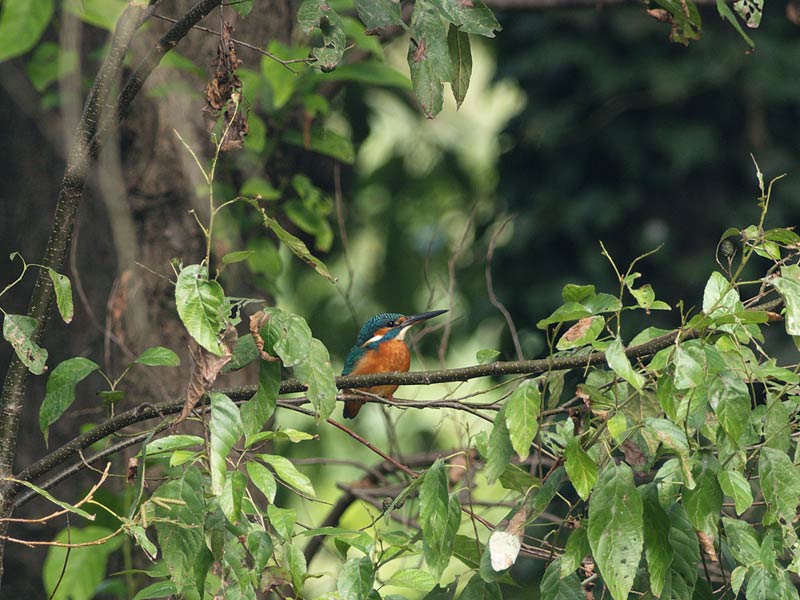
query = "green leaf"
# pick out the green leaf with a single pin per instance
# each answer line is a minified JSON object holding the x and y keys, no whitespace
{"x":577,"y":547}
{"x":704,"y":503}
{"x":244,"y":352}
{"x":657,"y":546}
{"x":298,"y":248}
{"x":288,"y":336}
{"x":289,"y":474}
{"x":428,"y":58}
{"x":472,"y":16}
{"x":735,"y":485}
{"x":581,"y":469}
{"x":356,"y":579}
{"x":788,"y":286}
{"x":60,"y":392}
{"x":179,"y":507}
{"x":537,"y":503}
{"x":726,"y":13}
{"x":372,"y":72}
{"x":238,"y":256}
{"x":730,"y":399}
{"x":689,"y":366}
{"x":440,"y":516}
{"x":616,"y":528}
{"x":522,"y":416}
{"x":100,"y":13}
{"x":22,"y":23}
{"x":316,"y":372}
{"x":780,"y":484}
{"x":87,"y":565}
{"x":296,"y":563}
{"x":258,"y":409}
{"x":262,"y":478}
{"x":673,"y":438}
{"x":230,"y":501}
{"x":63,"y":290}
{"x":172,"y":442}
{"x":583,"y":332}
{"x":281,"y":80}
{"x":742,"y":541}
{"x":158,"y":356}
{"x":45,"y":494}
{"x":686,"y":554}
{"x":282,"y":520}
{"x":225,"y":429}
{"x":777,"y":424}
{"x":479,"y":589}
{"x":556,"y":586}
{"x":379,"y":13}
{"x":258,"y":187}
{"x":156,"y":591}
{"x":200,"y":303}
{"x":260,"y":547}
{"x":486,"y":356}
{"x":461,"y":58}
{"x":415,"y":579}
{"x":569,"y":311}
{"x":517,"y":479}
{"x":323,"y":141}
{"x":719,"y":297}
{"x":243,"y":7}
{"x":499,"y":448}
{"x":18,"y":331}
{"x":618,"y":361}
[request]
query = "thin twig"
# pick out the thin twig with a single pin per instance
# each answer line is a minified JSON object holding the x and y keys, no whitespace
{"x":490,"y":289}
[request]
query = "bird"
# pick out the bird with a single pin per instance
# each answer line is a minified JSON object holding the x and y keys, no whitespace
{"x":381,"y":348}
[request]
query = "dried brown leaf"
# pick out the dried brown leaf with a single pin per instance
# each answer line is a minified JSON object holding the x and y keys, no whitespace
{"x":257,"y":321}
{"x":206,"y":369}
{"x":133,"y":469}
{"x":578,"y":330}
{"x":707,"y":545}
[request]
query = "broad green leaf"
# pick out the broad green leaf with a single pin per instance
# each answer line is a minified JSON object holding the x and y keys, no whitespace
{"x":230,"y":501}
{"x":244,"y":352}
{"x":440,"y":516}
{"x":258,"y":409}
{"x":22,"y":23}
{"x":719,"y":297}
{"x":461,"y":58}
{"x":262,"y":478}
{"x":780,"y":484}
{"x":777,"y":424}
{"x":296,"y":563}
{"x":225,"y":430}
{"x":428,"y":58}
{"x":415,"y":579}
{"x":258,"y":187}
{"x":788,"y":286}
{"x":673,"y":438}
{"x":100,"y":13}
{"x":238,"y":256}
{"x":18,"y":331}
{"x":49,"y":62}
{"x":584,"y":332}
{"x":63,"y":290}
{"x":581,"y":469}
{"x":704,"y":503}
{"x":657,"y":545}
{"x":60,"y":391}
{"x":577,"y":547}
{"x":172,"y":442}
{"x":569,"y":311}
{"x":282,"y":520}
{"x":87,"y":565}
{"x":742,"y":541}
{"x":735,"y":485}
{"x":686,"y":554}
{"x":179,"y":507}
{"x":730,"y":399}
{"x":323,"y":141}
{"x":356,"y":578}
{"x":522,"y":416}
{"x":616,"y":528}
{"x":281,"y":80}
{"x":472,"y":16}
{"x":287,"y":472}
{"x":316,"y":372}
{"x":572,"y":292}
{"x":200,"y":303}
{"x":556,"y":586}
{"x":479,"y":589}
{"x":158,"y":356}
{"x":486,"y":356}
{"x":764,"y":584}
{"x":243,"y":7}
{"x":156,"y":591}
{"x":288,"y":335}
{"x":619,"y":363}
{"x":538,"y":502}
{"x":297,"y":246}
{"x":689,"y":366}
{"x":260,"y":547}
{"x":379,"y":13}
{"x":518,"y":479}
{"x":499,"y":448}
{"x":372,"y":72}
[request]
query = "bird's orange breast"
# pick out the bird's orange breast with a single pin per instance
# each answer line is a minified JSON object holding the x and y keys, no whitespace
{"x":392,"y":355}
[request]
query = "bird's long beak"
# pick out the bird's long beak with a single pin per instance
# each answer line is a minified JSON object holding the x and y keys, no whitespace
{"x":412,"y":319}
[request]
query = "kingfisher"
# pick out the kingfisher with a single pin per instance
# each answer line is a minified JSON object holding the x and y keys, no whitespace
{"x":381,"y":348}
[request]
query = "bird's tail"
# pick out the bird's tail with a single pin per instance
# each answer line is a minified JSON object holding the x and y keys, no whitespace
{"x":351,"y":407}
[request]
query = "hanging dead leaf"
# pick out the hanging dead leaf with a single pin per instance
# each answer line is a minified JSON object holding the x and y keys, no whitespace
{"x":257,"y":321}
{"x":707,"y":544}
{"x":223,"y":93}
{"x":206,"y":369}
{"x":133,"y":469}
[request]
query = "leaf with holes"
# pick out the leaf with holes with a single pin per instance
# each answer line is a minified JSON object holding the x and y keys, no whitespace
{"x":18,"y":331}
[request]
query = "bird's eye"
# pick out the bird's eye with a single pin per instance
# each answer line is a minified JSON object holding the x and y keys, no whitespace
{"x":391,"y":324}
